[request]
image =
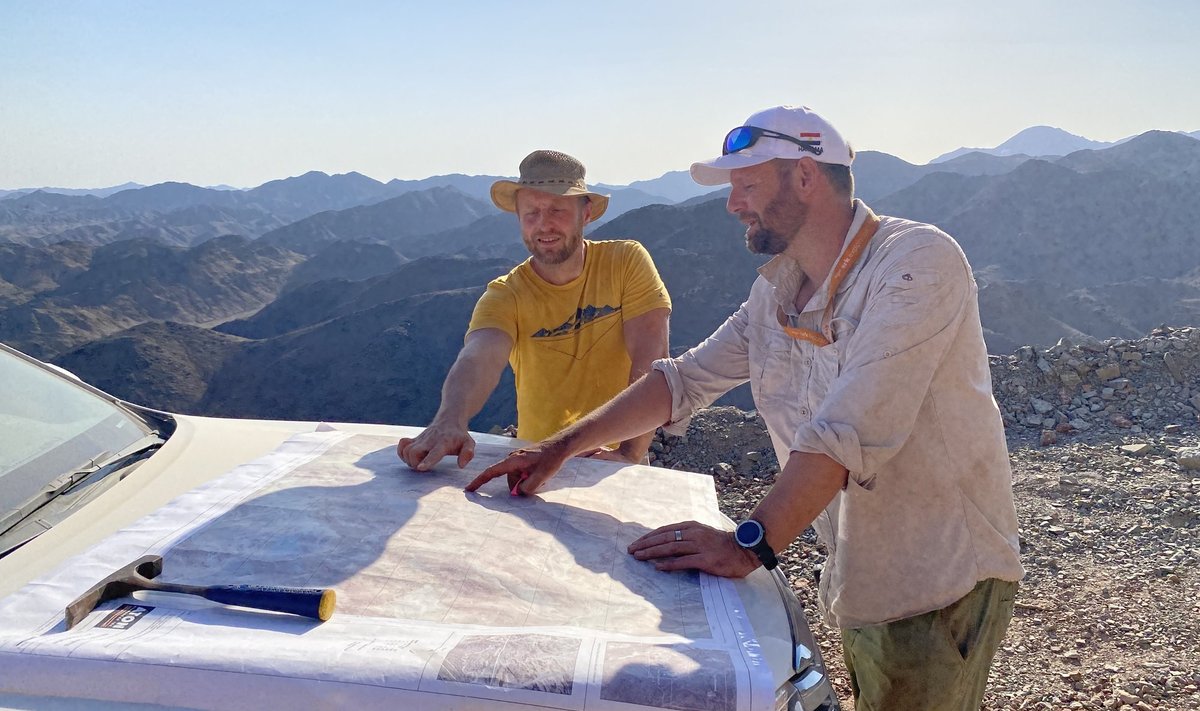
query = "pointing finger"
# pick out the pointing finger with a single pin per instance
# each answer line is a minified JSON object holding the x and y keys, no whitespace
{"x":500,"y":468}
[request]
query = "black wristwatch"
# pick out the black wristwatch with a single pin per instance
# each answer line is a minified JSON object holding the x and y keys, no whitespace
{"x":751,"y":535}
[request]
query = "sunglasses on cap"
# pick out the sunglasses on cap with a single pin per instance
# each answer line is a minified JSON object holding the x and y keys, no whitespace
{"x":742,"y":137}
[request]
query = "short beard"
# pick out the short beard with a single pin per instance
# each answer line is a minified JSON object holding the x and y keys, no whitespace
{"x":783,"y":210}
{"x":765,"y":241}
{"x":571,"y":244}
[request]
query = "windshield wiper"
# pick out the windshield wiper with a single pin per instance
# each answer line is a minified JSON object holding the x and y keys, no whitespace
{"x":72,"y":482}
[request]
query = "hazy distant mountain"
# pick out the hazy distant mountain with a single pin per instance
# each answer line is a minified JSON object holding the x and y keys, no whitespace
{"x":477,"y":186}
{"x":179,"y":213}
{"x":977,"y":163}
{"x":165,"y":197}
{"x":304,"y":195}
{"x":173,"y":213}
{"x":622,"y":200}
{"x":879,"y":174}
{"x":1033,"y":141}
{"x":184,"y":227}
{"x":35,"y":218}
{"x":721,"y":194}
{"x":1160,"y":154}
{"x":394,"y":222}
{"x":289,"y":199}
{"x":675,"y":186}
{"x":95,"y":192}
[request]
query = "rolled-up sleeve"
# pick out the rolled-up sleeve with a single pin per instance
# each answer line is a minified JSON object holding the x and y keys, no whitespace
{"x":917,"y":302}
{"x":707,"y":371}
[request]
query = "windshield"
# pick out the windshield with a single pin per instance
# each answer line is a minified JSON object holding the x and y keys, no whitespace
{"x":50,"y":426}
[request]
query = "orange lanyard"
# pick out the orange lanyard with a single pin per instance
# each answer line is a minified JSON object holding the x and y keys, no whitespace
{"x":840,"y":270}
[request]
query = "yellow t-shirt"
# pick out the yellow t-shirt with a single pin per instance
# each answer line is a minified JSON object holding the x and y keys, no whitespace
{"x":569,"y":353}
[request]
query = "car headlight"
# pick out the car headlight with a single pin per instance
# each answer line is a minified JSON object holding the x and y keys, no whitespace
{"x":808,"y":689}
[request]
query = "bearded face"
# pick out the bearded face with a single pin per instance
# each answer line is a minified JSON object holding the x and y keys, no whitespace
{"x":769,"y":229}
{"x":552,"y":246}
{"x":551,"y":225}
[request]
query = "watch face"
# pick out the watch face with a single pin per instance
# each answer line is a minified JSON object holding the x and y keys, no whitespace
{"x":749,"y":533}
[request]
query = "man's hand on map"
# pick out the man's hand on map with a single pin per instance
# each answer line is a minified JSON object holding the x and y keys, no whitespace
{"x":527,"y":468}
{"x":695,"y":546}
{"x":427,"y":449}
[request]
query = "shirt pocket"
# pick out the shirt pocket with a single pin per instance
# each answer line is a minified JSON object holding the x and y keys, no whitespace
{"x":769,"y":358}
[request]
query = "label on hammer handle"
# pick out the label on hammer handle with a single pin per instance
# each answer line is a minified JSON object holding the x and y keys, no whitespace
{"x":273,"y":589}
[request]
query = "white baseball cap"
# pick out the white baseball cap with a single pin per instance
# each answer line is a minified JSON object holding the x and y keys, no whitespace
{"x":779,"y":132}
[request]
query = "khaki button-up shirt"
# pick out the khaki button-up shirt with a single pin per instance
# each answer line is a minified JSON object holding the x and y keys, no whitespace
{"x":902,"y":398}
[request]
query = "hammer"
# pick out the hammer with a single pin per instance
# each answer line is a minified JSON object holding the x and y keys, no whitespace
{"x":307,"y":602}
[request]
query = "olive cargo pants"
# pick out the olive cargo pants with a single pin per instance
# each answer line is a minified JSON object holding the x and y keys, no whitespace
{"x":938,"y":661}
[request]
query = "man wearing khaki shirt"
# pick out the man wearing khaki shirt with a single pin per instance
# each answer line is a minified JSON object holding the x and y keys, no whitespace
{"x":862,"y":343}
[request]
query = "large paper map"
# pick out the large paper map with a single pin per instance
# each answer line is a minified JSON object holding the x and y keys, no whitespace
{"x":445,"y":599}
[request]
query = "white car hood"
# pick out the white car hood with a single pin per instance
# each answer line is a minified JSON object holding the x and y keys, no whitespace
{"x":445,"y":599}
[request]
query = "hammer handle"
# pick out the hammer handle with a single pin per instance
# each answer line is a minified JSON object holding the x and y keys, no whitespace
{"x":306,"y":602}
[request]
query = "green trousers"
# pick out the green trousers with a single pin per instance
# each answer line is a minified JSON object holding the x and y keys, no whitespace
{"x":938,"y":661}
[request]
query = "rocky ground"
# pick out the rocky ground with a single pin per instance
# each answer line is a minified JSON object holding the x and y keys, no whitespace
{"x":1105,"y":449}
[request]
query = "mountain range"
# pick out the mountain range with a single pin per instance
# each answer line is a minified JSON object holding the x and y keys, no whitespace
{"x":343,"y":297}
{"x":1042,"y":141}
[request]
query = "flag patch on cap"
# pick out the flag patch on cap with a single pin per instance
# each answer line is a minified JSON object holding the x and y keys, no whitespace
{"x":811,"y":142}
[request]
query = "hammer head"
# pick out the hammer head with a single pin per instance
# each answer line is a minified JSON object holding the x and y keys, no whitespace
{"x":120,"y":584}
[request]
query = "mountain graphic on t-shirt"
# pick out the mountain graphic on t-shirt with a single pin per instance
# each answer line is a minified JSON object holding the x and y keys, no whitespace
{"x":582,"y":317}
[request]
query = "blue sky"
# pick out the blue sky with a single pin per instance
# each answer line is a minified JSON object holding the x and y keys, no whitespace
{"x":99,"y":93}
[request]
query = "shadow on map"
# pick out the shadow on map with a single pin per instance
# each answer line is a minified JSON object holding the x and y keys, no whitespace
{"x":308,"y":529}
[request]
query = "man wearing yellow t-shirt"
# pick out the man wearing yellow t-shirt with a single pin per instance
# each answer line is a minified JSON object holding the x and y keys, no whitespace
{"x":578,"y":321}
